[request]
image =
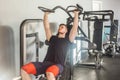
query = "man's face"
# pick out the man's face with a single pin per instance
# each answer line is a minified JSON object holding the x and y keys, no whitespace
{"x":62,"y":29}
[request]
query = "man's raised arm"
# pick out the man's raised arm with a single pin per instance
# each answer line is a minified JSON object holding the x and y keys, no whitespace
{"x":47,"y":26}
{"x":73,"y":31}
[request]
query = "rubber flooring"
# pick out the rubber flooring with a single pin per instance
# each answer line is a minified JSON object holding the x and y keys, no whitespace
{"x":110,"y":70}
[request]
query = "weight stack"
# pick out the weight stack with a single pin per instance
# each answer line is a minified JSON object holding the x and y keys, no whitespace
{"x":97,"y":36}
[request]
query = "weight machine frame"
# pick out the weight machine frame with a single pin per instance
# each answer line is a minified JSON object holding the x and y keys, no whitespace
{"x":23,"y":37}
{"x":105,"y":15}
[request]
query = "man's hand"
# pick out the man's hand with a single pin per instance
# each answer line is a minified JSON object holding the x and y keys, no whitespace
{"x":76,"y":11}
{"x":46,"y":13}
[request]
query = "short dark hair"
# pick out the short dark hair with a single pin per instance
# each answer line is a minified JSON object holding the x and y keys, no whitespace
{"x":63,"y":24}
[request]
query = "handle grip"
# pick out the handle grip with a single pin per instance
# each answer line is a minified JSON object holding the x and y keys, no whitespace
{"x":46,"y":9}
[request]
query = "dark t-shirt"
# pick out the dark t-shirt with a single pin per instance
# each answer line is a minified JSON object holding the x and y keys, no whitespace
{"x":57,"y":50}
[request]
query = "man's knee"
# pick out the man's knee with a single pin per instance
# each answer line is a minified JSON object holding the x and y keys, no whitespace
{"x":29,"y":68}
{"x":50,"y":76}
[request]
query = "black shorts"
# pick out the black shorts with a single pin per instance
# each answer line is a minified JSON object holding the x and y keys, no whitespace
{"x":38,"y":68}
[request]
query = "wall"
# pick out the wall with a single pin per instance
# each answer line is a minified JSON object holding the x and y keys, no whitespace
{"x":13,"y":12}
{"x":7,"y":59}
{"x":113,"y":5}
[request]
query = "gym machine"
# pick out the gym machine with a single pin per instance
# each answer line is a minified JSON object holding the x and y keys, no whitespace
{"x":69,"y":25}
{"x":84,"y":37}
{"x":98,"y":17}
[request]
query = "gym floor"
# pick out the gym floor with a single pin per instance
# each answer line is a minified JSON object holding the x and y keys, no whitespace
{"x":110,"y":70}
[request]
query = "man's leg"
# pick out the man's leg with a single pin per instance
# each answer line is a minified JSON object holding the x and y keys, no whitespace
{"x":25,"y":75}
{"x":53,"y":71}
{"x":26,"y":70}
{"x":50,"y":76}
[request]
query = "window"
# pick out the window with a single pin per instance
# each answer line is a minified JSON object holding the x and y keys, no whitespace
{"x":97,"y":5}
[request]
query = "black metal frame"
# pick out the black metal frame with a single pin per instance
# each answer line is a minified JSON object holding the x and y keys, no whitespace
{"x":103,"y":13}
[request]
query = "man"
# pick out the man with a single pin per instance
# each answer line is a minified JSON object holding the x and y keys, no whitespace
{"x":55,"y":57}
